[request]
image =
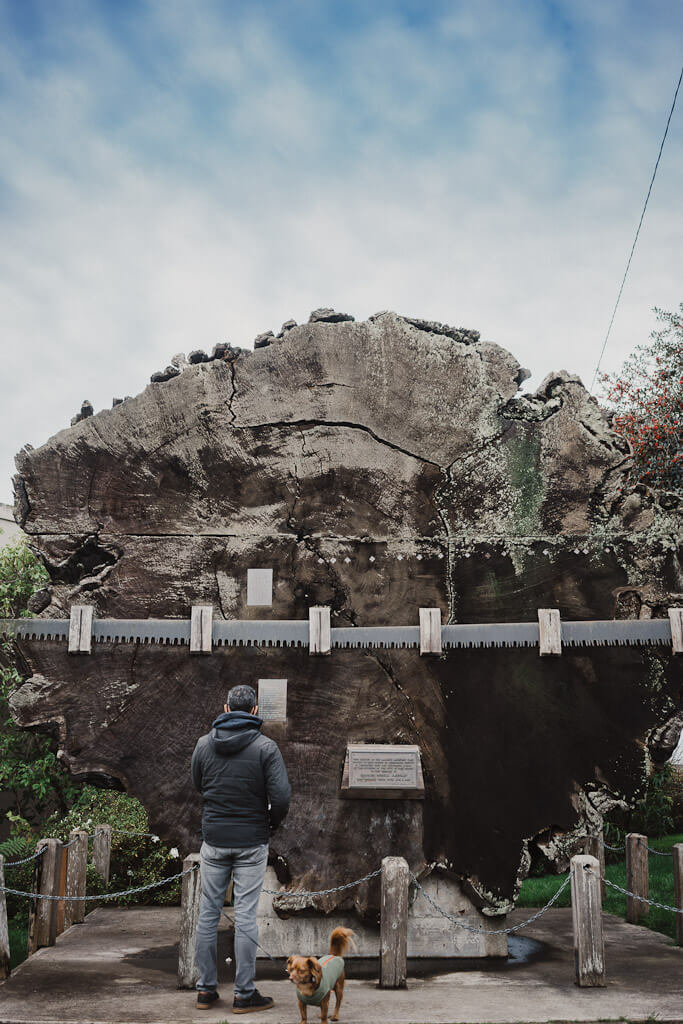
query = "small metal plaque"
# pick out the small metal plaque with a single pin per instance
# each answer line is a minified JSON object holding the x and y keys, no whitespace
{"x":260,"y":587}
{"x":272,"y":700}
{"x":383,"y":766}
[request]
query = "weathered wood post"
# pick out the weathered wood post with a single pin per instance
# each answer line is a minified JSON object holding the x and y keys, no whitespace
{"x":589,"y":946}
{"x":549,"y":632}
{"x":430,"y":631}
{"x":76,"y":868}
{"x":101,"y":851}
{"x":637,"y":876}
{"x":393,"y":943}
{"x":42,"y":915}
{"x":201,"y":626}
{"x":189,"y":915}
{"x":595,"y":847}
{"x":678,"y":889}
{"x":319,"y":630}
{"x":4,"y":929}
{"x":61,"y":906}
{"x":80,"y":629}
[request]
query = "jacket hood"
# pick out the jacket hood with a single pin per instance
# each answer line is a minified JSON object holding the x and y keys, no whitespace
{"x":233,"y":731}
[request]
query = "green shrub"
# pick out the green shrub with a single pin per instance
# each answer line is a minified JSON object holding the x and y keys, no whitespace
{"x":653,"y":816}
{"x":135,"y":859}
{"x":28,"y":765}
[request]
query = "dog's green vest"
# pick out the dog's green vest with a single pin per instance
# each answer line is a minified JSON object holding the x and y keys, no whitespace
{"x":332,"y":968}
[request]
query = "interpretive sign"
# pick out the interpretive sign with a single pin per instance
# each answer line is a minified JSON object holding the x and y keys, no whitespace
{"x":272,"y":700}
{"x":383,"y":770}
{"x":259,"y":587}
{"x":383,"y":766}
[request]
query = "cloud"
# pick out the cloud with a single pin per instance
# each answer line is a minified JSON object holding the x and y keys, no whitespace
{"x":178,"y":174}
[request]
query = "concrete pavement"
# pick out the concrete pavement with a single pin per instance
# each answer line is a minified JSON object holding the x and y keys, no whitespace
{"x":119,"y":967}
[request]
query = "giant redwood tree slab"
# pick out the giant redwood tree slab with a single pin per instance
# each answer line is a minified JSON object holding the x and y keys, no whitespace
{"x":377,"y":468}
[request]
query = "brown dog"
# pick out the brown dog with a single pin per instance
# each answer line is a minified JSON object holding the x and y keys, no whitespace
{"x":315,"y":979}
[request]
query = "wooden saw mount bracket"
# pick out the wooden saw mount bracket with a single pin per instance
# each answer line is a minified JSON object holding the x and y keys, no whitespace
{"x":375,"y":527}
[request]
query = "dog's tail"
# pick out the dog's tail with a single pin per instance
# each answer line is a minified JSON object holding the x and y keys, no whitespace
{"x":340,"y":940}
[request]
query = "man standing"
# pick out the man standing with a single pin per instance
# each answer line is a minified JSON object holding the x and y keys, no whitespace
{"x":246,"y":794}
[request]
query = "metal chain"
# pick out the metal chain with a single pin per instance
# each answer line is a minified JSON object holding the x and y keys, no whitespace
{"x":39,"y":853}
{"x":65,"y":846}
{"x":642,"y":899}
{"x":103,"y":896}
{"x":487,"y":931}
{"x":125,"y":832}
{"x":34,"y":856}
{"x":323,"y":892}
{"x":620,"y":849}
{"x":615,"y":849}
{"x":657,"y":853}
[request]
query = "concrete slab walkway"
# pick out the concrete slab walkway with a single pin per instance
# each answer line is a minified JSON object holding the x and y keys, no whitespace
{"x":119,"y":967}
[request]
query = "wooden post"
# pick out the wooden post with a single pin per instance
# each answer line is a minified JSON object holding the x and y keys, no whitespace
{"x":80,"y":629}
{"x":676,"y":620}
{"x":430,"y":631}
{"x":678,"y":890}
{"x":4,"y":929}
{"x":319,"y":633}
{"x":201,"y":626}
{"x":393,"y":943}
{"x":61,"y":906}
{"x":549,"y":632}
{"x":42,"y":917}
{"x":76,"y":868}
{"x":637,"y":876}
{"x":589,"y":946}
{"x":101,"y":851}
{"x":189,"y":916}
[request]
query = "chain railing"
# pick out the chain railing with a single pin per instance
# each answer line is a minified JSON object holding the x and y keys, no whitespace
{"x":633,"y":895}
{"x":621,"y":849}
{"x":657,"y":853}
{"x":91,"y":835}
{"x":102,"y":896}
{"x":614,"y":849}
{"x":126,"y":832}
{"x":25,"y":860}
{"x":305,"y":894}
{"x":490,"y":931}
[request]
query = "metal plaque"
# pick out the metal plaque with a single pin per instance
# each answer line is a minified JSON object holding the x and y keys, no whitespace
{"x":260,"y":587}
{"x":272,"y":700}
{"x":383,"y":766}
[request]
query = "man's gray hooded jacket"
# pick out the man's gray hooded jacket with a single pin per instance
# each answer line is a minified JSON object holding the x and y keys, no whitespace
{"x":239,"y":772}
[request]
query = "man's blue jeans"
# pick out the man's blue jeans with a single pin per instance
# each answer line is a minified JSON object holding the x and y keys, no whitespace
{"x":248,"y":867}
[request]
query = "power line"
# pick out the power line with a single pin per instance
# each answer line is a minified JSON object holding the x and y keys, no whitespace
{"x":640,"y":224}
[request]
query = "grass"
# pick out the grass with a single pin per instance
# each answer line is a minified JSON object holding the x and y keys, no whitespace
{"x":537,"y":891}
{"x":18,"y":937}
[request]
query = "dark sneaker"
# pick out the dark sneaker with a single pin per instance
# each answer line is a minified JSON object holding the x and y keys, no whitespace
{"x":252,"y":1003}
{"x":206,"y":999}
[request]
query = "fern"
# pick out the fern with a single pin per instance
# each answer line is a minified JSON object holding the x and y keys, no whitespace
{"x":15,"y":847}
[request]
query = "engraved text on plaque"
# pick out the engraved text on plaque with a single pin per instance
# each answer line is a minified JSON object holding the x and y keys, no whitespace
{"x":383,"y":766}
{"x":272,"y":700}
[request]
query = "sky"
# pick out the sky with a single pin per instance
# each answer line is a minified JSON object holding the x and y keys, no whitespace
{"x":183,"y":172}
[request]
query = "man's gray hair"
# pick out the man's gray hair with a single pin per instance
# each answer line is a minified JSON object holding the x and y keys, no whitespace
{"x":242,"y":698}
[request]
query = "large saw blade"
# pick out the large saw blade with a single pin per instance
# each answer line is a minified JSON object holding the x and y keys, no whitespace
{"x":616,"y":632}
{"x":295,"y":633}
{"x":260,"y":632}
{"x":35,"y":629}
{"x":491,"y":634}
{"x":375,"y":636}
